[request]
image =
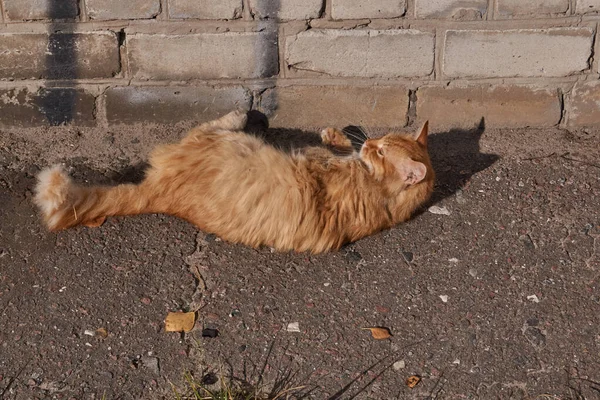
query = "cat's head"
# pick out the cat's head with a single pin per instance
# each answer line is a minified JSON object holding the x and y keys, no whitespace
{"x":399,"y":161}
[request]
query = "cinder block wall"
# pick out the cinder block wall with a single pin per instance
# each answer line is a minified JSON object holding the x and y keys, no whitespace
{"x":305,"y":63}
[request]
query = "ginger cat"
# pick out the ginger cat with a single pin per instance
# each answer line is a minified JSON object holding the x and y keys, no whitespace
{"x":244,"y":190}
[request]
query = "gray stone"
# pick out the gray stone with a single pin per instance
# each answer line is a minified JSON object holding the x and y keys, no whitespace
{"x":583,"y":105}
{"x":286,"y":9}
{"x":501,"y":106}
{"x":364,"y":53}
{"x":22,"y":107}
{"x":58,"y":56}
{"x":119,"y":9}
{"x":586,"y":6}
{"x":507,"y":8}
{"x":202,"y":56}
{"x":517,"y":53}
{"x":129,"y":104}
{"x":336,"y":106}
{"x":356,"y":9}
{"x":205,"y":9}
{"x":27,"y":10}
{"x":457,"y":9}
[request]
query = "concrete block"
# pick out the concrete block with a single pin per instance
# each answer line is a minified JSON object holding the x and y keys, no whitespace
{"x":501,"y":106}
{"x":58,"y":56}
{"x":202,"y":56}
{"x":286,"y":9}
{"x":27,"y":10}
{"x":517,"y":53}
{"x":586,"y":6}
{"x":324,"y":106}
{"x":357,"y":9}
{"x":509,"y":8}
{"x":583,"y":105}
{"x":119,"y":9}
{"x":205,"y":9}
{"x":364,"y":53}
{"x":455,"y":9}
{"x":22,"y":107}
{"x":168,"y":104}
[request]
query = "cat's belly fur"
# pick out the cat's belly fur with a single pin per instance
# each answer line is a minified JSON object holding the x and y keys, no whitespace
{"x":242,"y":190}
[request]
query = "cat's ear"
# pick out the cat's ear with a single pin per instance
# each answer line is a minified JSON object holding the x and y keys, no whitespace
{"x":421,"y":134}
{"x":412,"y":172}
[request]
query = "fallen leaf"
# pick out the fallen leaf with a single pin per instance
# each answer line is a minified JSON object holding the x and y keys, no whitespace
{"x":180,"y":321}
{"x":102,"y":332}
{"x":380,"y":333}
{"x":413,"y":381}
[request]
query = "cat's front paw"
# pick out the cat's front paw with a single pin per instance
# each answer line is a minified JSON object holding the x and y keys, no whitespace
{"x":235,"y":120}
{"x":335,"y":137}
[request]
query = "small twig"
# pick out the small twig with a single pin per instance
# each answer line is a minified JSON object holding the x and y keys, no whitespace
{"x":540,"y":157}
{"x":13,"y":379}
{"x":196,"y":271}
{"x":564,"y":157}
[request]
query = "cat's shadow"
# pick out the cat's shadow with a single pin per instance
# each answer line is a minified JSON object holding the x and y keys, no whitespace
{"x":456,"y":156}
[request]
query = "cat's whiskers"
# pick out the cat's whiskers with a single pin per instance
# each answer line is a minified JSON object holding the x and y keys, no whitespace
{"x":364,"y":133}
{"x":353,"y":135}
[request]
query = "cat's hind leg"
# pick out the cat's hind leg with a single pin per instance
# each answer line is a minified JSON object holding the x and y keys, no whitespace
{"x":64,"y":204}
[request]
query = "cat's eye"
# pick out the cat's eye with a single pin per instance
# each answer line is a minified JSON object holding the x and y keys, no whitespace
{"x":380,"y":151}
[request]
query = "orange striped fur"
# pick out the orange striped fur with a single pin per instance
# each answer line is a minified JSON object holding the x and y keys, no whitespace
{"x":236,"y":186}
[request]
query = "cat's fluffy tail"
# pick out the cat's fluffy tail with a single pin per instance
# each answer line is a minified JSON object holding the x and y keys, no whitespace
{"x":64,"y":204}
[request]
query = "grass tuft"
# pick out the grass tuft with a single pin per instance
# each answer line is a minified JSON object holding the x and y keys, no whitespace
{"x":230,"y":390}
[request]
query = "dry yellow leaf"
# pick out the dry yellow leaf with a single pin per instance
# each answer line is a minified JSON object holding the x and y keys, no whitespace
{"x":180,"y":321}
{"x":412,"y":381}
{"x":102,"y":332}
{"x":380,"y":333}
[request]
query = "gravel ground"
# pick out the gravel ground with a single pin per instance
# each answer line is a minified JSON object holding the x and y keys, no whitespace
{"x":497,"y":300}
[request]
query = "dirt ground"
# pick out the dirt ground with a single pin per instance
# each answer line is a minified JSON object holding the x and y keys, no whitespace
{"x":500,"y":299}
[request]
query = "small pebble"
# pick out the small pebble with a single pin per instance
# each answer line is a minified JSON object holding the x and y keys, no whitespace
{"x":444,"y":298}
{"x":210,"y":332}
{"x":533,"y":298}
{"x":439,"y":210}
{"x":398,"y":365}
{"x":209,"y":379}
{"x":151,"y":363}
{"x":293,"y":327}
